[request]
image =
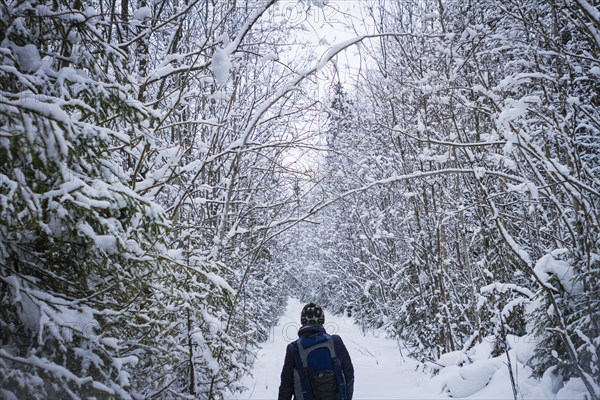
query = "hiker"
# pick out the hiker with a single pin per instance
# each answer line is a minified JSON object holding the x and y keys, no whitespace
{"x":317,"y":366}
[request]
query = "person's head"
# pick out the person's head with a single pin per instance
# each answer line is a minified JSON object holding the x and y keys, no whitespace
{"x":312,"y":314}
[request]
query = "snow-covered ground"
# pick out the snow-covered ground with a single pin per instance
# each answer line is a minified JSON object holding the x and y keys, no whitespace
{"x":382,"y":372}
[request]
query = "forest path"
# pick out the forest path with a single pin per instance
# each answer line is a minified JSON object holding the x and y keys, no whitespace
{"x":380,"y":372}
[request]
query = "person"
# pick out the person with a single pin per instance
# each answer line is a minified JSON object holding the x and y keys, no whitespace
{"x":307,"y":382}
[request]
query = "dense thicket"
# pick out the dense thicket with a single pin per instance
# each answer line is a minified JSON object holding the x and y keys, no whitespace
{"x":476,"y":132}
{"x":142,"y":173}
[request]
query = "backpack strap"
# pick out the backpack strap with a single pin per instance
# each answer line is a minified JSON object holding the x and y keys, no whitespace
{"x":301,"y":378}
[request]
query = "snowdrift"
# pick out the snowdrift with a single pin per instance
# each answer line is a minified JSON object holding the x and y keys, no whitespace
{"x":476,"y":374}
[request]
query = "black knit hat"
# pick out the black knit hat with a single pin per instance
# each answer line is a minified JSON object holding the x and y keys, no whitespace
{"x":312,"y":314}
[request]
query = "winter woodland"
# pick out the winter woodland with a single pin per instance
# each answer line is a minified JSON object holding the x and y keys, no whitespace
{"x":171,"y":171}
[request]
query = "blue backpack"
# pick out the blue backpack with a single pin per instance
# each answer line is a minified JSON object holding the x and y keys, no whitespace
{"x":318,"y":374}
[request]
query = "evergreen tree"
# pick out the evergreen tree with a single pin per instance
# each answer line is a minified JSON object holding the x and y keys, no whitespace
{"x":78,"y":247}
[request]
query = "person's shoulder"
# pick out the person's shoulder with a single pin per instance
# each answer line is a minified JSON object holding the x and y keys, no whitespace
{"x":292,"y":345}
{"x":339,"y":345}
{"x":337,"y":339}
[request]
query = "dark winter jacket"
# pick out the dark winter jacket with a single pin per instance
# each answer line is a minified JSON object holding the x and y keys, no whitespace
{"x":286,"y":389}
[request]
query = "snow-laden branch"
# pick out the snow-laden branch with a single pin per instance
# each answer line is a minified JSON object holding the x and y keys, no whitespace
{"x":381,"y":182}
{"x":593,"y":15}
{"x":442,"y":142}
{"x":305,"y":73}
{"x":62,"y":372}
{"x":506,"y":287}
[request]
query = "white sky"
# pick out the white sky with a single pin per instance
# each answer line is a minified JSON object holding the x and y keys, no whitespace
{"x":321,"y":28}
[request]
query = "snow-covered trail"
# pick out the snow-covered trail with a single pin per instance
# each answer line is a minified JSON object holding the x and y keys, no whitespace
{"x":380,"y":372}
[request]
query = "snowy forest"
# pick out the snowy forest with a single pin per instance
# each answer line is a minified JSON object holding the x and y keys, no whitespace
{"x":172,"y":171}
